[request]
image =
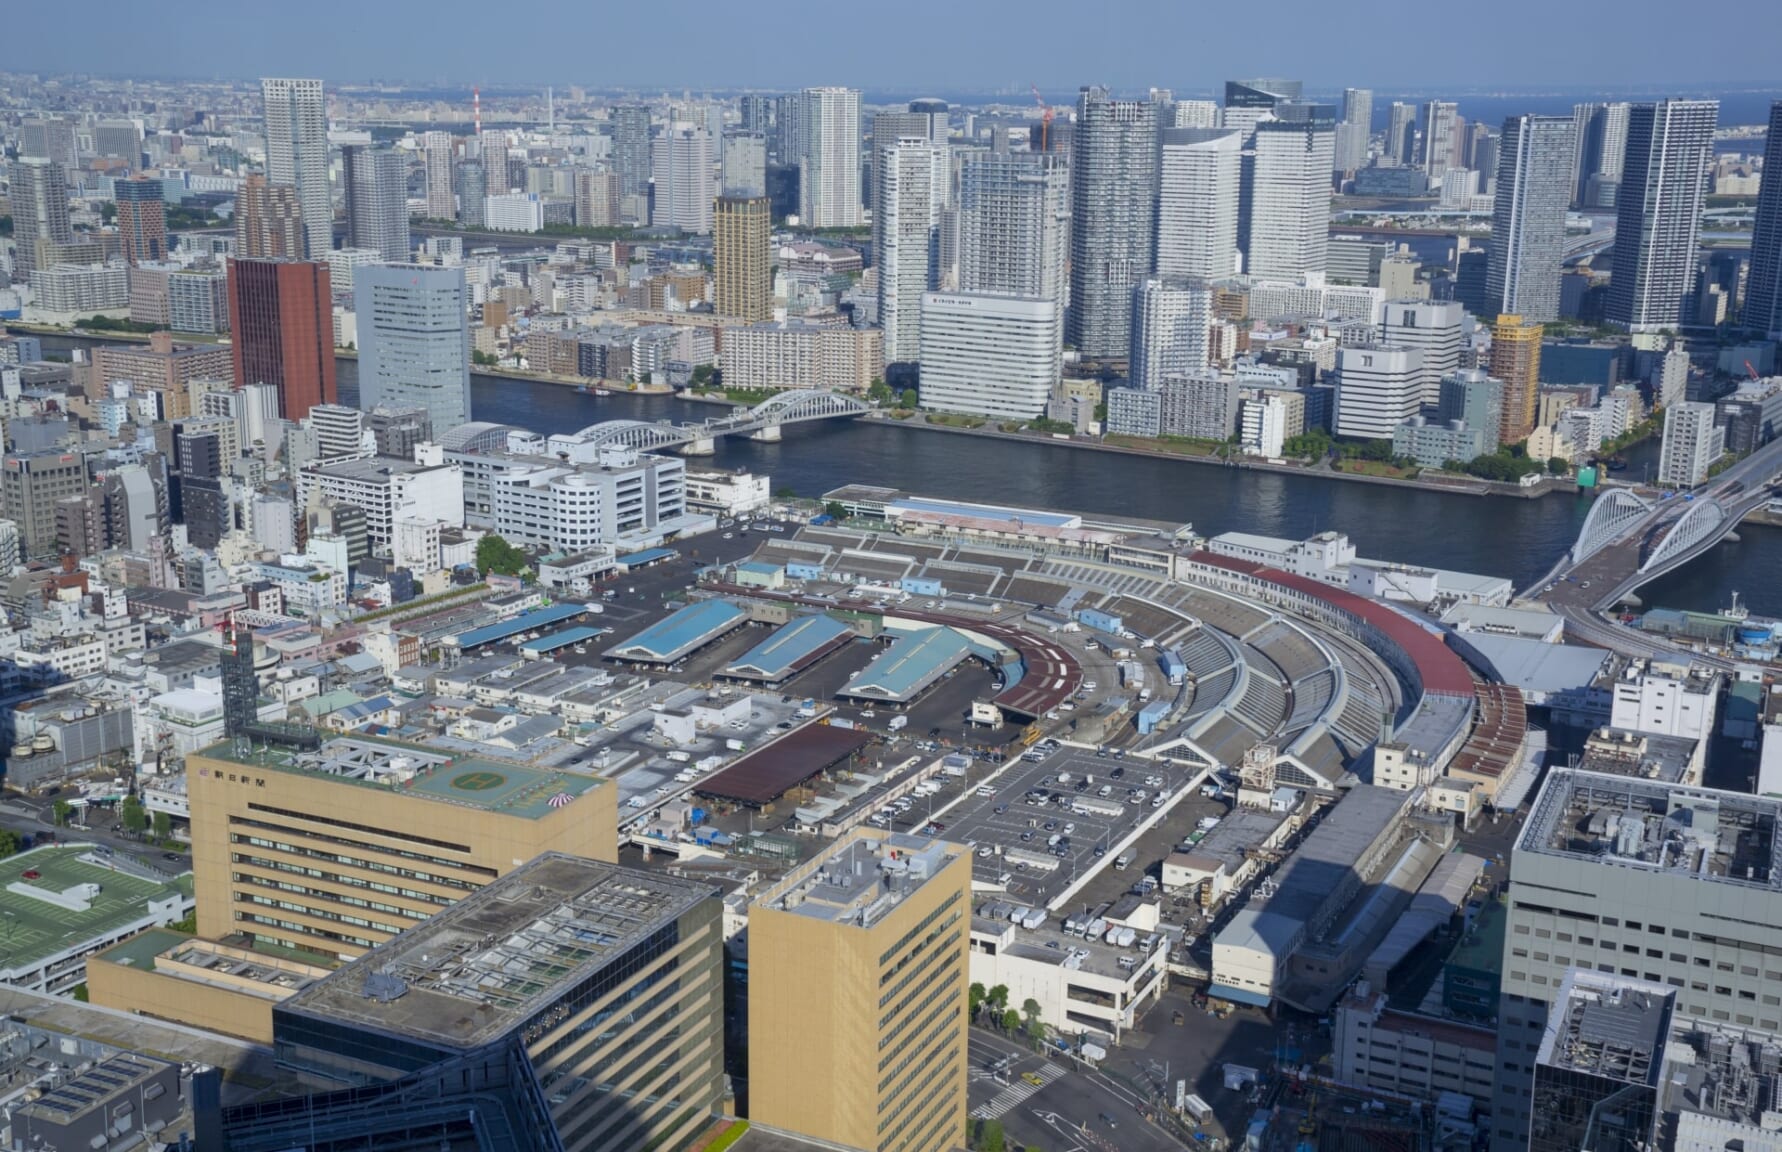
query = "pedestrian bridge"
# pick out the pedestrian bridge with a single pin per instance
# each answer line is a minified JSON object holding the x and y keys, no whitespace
{"x":762,"y":422}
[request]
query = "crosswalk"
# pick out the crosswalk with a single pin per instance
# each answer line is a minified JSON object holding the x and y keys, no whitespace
{"x":1015,"y":1093}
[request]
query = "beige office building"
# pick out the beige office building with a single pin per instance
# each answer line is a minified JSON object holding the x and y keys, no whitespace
{"x":201,"y":983}
{"x":336,"y":850}
{"x":857,"y":995}
{"x":742,"y":257}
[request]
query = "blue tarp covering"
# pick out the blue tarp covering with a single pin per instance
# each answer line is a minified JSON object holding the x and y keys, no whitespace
{"x":682,"y":632}
{"x":648,"y":556}
{"x":562,"y":639}
{"x":524,"y":622}
{"x":1238,"y":996}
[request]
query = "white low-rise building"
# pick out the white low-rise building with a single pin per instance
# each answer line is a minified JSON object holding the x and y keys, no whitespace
{"x":627,"y":498}
{"x":1083,"y":987}
{"x":1665,"y":700}
{"x":727,"y":493}
{"x":389,"y":489}
{"x":308,"y":588}
{"x":191,"y":718}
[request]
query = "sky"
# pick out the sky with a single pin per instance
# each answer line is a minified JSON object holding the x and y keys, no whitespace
{"x":901,"y":45}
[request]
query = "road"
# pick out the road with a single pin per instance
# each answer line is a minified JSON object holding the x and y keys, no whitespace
{"x":1069,"y":1111}
{"x":1582,"y":592}
{"x":31,"y":816}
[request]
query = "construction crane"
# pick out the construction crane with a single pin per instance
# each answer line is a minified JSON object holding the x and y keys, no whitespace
{"x":1045,"y":120}
{"x":1752,"y":370}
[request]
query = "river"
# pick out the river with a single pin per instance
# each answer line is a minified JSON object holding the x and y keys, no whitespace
{"x":1501,"y":536}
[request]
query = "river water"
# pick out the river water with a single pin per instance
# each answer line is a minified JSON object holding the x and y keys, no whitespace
{"x":1501,"y":536}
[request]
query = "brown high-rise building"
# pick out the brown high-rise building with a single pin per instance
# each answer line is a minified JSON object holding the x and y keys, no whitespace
{"x":1516,"y":360}
{"x":742,"y":257}
{"x":281,"y":321}
{"x":268,"y":222}
{"x":142,"y":221}
{"x":596,"y":199}
{"x":164,"y":368}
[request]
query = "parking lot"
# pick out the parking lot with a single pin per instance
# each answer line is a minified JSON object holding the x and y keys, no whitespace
{"x":1014,"y":820}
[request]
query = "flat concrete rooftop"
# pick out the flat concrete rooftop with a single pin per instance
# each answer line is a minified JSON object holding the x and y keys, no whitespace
{"x":501,"y":787}
{"x":497,"y":957}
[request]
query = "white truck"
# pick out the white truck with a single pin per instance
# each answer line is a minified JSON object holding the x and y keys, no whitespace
{"x":898,"y":723}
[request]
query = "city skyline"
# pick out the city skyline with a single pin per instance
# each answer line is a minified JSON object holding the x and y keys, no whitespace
{"x":506,"y":548}
{"x":718,"y":52}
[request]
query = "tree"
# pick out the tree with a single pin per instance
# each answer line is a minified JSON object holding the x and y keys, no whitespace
{"x":162,"y":825}
{"x":495,"y":554}
{"x":1011,"y":1020}
{"x":998,"y":998}
{"x":988,"y":1136}
{"x":1030,"y":1012}
{"x":835,"y":511}
{"x":702,"y":376}
{"x":975,"y":998}
{"x":61,"y":811}
{"x":785,"y":492}
{"x":879,"y":392}
{"x":1558,"y":465}
{"x":477,"y":356}
{"x":908,"y":399}
{"x":135,"y":819}
{"x":10,"y":842}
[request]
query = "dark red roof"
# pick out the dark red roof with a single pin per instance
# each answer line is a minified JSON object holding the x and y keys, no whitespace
{"x":1496,"y":739}
{"x":772,"y":770}
{"x":1443,"y":672}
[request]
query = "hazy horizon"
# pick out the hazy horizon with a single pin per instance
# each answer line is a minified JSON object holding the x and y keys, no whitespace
{"x":984,"y":48}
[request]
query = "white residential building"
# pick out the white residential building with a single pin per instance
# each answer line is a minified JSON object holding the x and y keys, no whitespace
{"x":70,"y":288}
{"x":912,"y":182}
{"x":990,"y":355}
{"x":797,"y":355}
{"x":1263,"y":420}
{"x":682,"y":163}
{"x":296,"y":125}
{"x":1197,"y":202}
{"x":829,"y":158}
{"x":436,"y":151}
{"x":1172,"y":319}
{"x":1290,"y":195}
{"x":1014,"y":223}
{"x":1691,"y":444}
{"x":1379,"y":386}
{"x":514,"y":212}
